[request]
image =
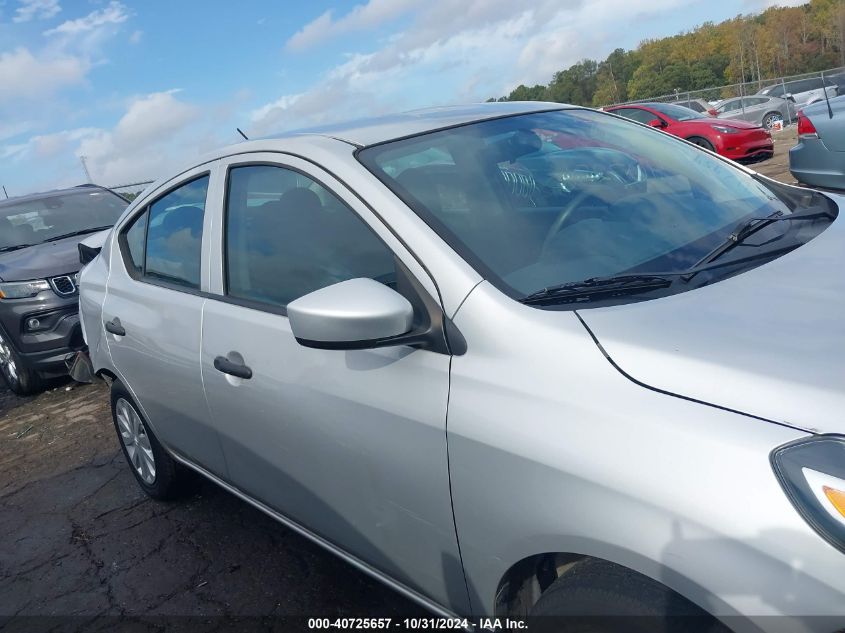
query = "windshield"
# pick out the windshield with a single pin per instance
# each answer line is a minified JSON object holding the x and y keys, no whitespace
{"x":677,"y":112}
{"x":537,"y":200}
{"x":34,"y":221}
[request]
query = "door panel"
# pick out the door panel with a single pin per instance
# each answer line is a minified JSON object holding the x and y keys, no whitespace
{"x":158,"y":361}
{"x":349,"y":444}
{"x":157,"y":357}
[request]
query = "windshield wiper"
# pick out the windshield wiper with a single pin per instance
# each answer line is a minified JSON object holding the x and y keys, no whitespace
{"x":93,"y":229}
{"x":632,"y":283}
{"x":599,"y":287}
{"x":6,"y":249}
{"x":746,"y":229}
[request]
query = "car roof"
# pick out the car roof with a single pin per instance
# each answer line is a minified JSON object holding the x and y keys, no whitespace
{"x":55,"y":193}
{"x":371,"y":131}
{"x":365,"y":132}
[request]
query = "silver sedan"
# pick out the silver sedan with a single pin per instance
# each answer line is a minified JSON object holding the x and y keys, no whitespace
{"x":507,"y":358}
{"x":759,"y":109}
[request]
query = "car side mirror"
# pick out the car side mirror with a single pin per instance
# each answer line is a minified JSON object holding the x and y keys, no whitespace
{"x":355,"y":314}
{"x":658,"y":123}
{"x":91,"y":246}
{"x":788,"y":96}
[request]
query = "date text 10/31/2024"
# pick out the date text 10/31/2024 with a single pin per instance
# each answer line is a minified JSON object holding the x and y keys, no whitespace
{"x":417,"y":624}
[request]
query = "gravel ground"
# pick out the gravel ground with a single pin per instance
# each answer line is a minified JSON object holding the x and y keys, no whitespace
{"x":80,"y":538}
{"x":777,"y":166}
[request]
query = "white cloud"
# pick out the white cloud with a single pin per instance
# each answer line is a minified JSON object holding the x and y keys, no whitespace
{"x":114,"y":13}
{"x":282,"y":103}
{"x":452,"y":51}
{"x":362,"y":16}
{"x":752,"y":6}
{"x":156,"y":132}
{"x":26,"y":77}
{"x":36,"y":10}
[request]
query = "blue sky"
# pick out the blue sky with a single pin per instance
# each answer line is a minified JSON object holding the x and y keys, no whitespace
{"x":137,"y":87}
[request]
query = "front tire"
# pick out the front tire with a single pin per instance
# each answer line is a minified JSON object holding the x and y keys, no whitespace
{"x":158,"y":474}
{"x":701,"y":142}
{"x":601,"y":597}
{"x":20,"y":379}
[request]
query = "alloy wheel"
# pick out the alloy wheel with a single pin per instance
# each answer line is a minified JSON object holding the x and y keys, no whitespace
{"x":769,"y":121}
{"x":135,"y":440}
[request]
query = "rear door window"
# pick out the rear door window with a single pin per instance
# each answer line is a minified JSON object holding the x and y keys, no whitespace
{"x":729,"y":106}
{"x":164,"y":243}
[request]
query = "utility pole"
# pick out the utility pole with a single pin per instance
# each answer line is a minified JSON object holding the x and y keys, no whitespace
{"x":85,"y":167}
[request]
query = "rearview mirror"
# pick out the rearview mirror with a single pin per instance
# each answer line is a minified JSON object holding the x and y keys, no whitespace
{"x":354,"y":314}
{"x":788,"y":96}
{"x":656,"y":123}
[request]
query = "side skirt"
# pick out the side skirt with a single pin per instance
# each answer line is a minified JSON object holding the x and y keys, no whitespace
{"x":319,"y":540}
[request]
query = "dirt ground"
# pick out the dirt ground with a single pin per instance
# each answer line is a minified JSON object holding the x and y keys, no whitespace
{"x":777,"y":167}
{"x":79,"y":538}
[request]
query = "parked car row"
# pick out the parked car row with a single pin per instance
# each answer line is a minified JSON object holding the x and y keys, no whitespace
{"x":738,"y":140}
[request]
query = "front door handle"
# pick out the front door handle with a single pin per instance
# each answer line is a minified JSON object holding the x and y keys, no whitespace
{"x":115,"y":327}
{"x":239,"y":370}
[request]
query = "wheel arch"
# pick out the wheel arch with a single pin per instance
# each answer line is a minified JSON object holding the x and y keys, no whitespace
{"x":524,"y":581}
{"x":693,"y":137}
{"x":106,"y":374}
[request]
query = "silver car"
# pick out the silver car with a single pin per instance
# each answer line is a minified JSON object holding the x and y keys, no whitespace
{"x":818,"y":159}
{"x":508,"y":358}
{"x":762,"y":110}
{"x":699,"y":105}
{"x":802,"y":91}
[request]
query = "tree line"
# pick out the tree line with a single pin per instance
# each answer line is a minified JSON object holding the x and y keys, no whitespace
{"x":778,"y":42}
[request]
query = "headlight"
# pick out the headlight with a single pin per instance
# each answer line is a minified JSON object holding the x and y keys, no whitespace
{"x":22,"y":289}
{"x":724,"y":129}
{"x":812,"y":472}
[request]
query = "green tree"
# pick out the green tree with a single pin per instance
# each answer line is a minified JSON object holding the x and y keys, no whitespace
{"x":524,"y":93}
{"x":576,"y":84}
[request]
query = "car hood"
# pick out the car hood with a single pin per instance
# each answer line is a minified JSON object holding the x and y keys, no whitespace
{"x":41,"y":260}
{"x":769,"y":342}
{"x":740,"y":125}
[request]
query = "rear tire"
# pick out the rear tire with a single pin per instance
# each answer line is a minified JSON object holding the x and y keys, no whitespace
{"x":598,"y":596}
{"x":701,"y":142}
{"x":770,"y":118}
{"x":158,"y":474}
{"x":20,"y":379}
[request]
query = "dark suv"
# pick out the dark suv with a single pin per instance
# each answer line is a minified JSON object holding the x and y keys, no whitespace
{"x":39,"y":258}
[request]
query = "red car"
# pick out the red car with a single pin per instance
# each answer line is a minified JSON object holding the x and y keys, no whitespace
{"x":737,"y":140}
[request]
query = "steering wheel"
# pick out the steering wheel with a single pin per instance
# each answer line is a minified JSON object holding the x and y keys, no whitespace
{"x":634,"y":201}
{"x":564,"y":214}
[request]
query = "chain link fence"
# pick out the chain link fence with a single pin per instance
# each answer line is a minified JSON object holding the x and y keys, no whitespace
{"x":744,"y":100}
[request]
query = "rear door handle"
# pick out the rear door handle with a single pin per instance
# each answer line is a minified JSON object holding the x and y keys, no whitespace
{"x":115,"y":327}
{"x":221,"y":363}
